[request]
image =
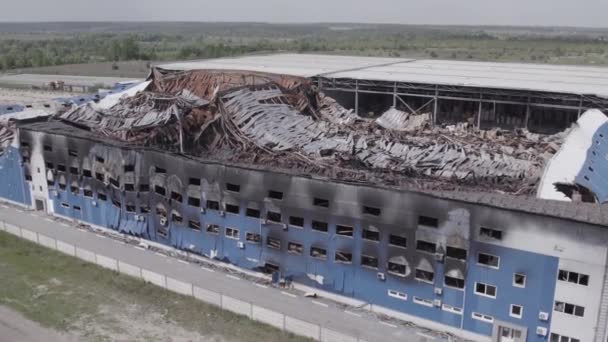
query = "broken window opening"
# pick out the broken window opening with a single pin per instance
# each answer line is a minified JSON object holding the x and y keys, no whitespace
{"x":213,"y":205}
{"x":144,"y":209}
{"x":129,"y":168}
{"x":270,"y":268}
{"x":161,"y":211}
{"x":425,"y":246}
{"x":233,"y":209}
{"x":159,"y":170}
{"x":99,"y":176}
{"x":233,"y":187}
{"x":213,"y":229}
{"x":425,"y":276}
{"x":369,"y":261}
{"x":194,"y":181}
{"x":192,"y":224}
{"x":28,"y":177}
{"x":49,"y":165}
{"x":295,"y":248}
{"x":318,"y":253}
{"x":100,"y":159}
{"x":76,"y":207}
{"x":116,"y":203}
{"x":488,"y":260}
{"x":273,"y":243}
{"x":176,"y":217}
{"x":370,"y":235}
{"x":65,"y":205}
{"x":456,"y":253}
{"x":320,"y":226}
{"x":428,"y":221}
{"x":129,"y":187}
{"x":101,"y":196}
{"x":344,"y":230}
{"x":253,"y":237}
{"x":273,"y":216}
{"x":570,"y":309}
{"x":48,"y":148}
{"x":130,"y":208}
{"x":275,"y":195}
{"x":194,"y":202}
{"x":88,"y":193}
{"x":252,"y":213}
{"x":115,"y":182}
{"x":73,"y":153}
{"x":490,"y":233}
{"x":74,"y":170}
{"x":397,"y":241}
{"x":160,"y":190}
{"x":453,"y":282}
{"x":74,"y":189}
{"x":371,"y":211}
{"x":296,"y":221}
{"x":397,"y":269}
{"x":320,"y":202}
{"x":61,"y":167}
{"x":176,"y":196}
{"x":519,"y":280}
{"x":144,"y":187}
{"x":87,"y":173}
{"x":343,"y":257}
{"x":24,"y":143}
{"x":232,"y":233}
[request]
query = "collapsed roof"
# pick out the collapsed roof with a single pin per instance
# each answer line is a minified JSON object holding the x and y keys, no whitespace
{"x":284,"y":122}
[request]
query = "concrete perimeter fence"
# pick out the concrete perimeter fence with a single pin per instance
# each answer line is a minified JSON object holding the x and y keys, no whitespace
{"x":244,"y":308}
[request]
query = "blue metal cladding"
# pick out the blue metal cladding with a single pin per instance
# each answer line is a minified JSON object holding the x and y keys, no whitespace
{"x":349,"y":279}
{"x":594,"y":170}
{"x":14,"y":187}
{"x":537,"y":295}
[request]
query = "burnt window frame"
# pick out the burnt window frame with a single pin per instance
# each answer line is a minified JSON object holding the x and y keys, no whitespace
{"x":352,"y":230}
{"x":456,"y":249}
{"x":322,"y":257}
{"x":194,"y":181}
{"x":365,"y":237}
{"x":299,"y":248}
{"x":232,"y":209}
{"x":371,"y":211}
{"x":128,"y":168}
{"x":319,"y":226}
{"x":428,"y":221}
{"x":347,"y":262}
{"x":87,"y":173}
{"x":253,"y":240}
{"x":320,"y":202}
{"x":277,"y":195}
{"x":490,"y":233}
{"x":421,"y":243}
{"x":194,"y":202}
{"x":144,"y":188}
{"x":274,"y":216}
{"x":213,"y":228}
{"x":253,"y":213}
{"x":270,"y":245}
{"x":422,"y":275}
{"x":236,"y":188}
{"x":297,"y":220}
{"x":212,"y":205}
{"x":369,"y":257}
{"x":177,"y":196}
{"x":160,"y":190}
{"x":194,"y":225}
{"x":456,"y":285}
{"x":393,"y":243}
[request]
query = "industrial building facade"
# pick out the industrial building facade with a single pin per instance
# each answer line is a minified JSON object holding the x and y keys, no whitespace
{"x":495,"y":267}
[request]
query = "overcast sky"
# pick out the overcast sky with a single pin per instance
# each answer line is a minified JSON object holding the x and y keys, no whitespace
{"x":470,"y":12}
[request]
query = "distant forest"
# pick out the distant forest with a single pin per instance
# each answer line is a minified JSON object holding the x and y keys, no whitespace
{"x":24,"y":45}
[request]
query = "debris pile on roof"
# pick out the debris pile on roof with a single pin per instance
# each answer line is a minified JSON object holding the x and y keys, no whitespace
{"x":284,"y":122}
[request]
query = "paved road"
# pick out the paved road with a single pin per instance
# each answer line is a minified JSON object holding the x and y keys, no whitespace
{"x":16,"y":328}
{"x":325,"y":313}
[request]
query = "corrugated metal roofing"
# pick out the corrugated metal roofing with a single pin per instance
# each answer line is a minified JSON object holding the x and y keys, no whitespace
{"x":514,"y":76}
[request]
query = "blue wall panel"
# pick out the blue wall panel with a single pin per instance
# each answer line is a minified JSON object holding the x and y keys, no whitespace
{"x":14,"y":187}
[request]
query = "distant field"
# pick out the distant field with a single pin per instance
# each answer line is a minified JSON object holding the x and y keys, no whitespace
{"x":95,"y":304}
{"x":125,"y":49}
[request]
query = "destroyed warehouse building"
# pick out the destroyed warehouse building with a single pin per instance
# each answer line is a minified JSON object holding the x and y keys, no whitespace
{"x":462,"y":217}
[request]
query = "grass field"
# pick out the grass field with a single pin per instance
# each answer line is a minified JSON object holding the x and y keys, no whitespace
{"x":67,"y":294}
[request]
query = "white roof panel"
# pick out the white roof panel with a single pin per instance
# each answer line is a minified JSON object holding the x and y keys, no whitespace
{"x":515,"y":76}
{"x":302,"y":65}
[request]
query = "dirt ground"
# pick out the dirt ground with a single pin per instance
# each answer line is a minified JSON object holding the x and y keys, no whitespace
{"x":16,"y":328}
